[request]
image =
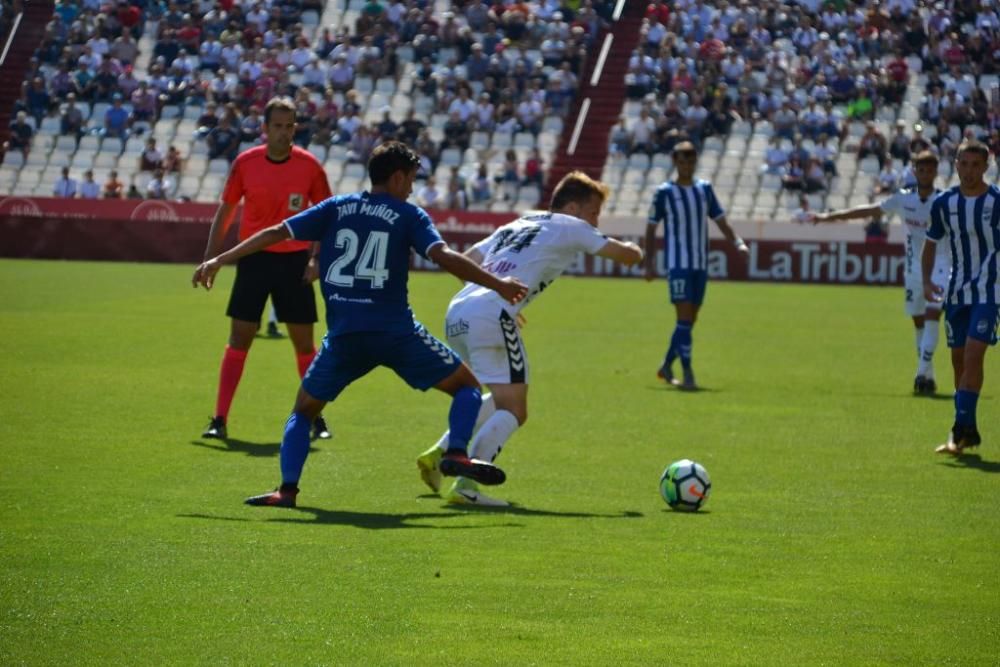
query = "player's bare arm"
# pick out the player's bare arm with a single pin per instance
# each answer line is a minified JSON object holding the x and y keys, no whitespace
{"x":220,"y":225}
{"x":312,"y":268}
{"x":731,"y":236}
{"x":624,"y":252}
{"x":205,"y":273}
{"x":650,"y":252}
{"x":932,"y":292}
{"x":474,"y":254}
{"x":856,"y":213}
{"x":460,"y":266}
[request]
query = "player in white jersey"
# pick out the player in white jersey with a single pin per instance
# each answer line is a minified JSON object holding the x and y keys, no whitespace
{"x":913,"y":208}
{"x":968,"y":215}
{"x":535,"y":249}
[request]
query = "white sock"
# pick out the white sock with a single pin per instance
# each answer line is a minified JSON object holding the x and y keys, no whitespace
{"x":492,"y":436}
{"x":927,"y":347}
{"x":918,"y":333}
{"x":486,"y":410}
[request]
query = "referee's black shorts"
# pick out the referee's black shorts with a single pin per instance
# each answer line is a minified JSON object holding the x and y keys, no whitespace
{"x":278,"y":274}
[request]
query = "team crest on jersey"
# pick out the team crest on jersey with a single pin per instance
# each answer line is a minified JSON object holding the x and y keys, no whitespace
{"x":982,"y":327}
{"x":296,"y":201}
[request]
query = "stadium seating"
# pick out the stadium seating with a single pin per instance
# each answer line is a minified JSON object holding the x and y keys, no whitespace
{"x":177,"y":125}
{"x":731,"y":160}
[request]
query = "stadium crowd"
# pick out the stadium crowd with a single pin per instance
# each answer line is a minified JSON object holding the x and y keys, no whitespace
{"x":807,"y":70}
{"x":493,"y":67}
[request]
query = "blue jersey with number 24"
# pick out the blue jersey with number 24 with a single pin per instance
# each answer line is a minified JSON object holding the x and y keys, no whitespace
{"x":364,"y":258}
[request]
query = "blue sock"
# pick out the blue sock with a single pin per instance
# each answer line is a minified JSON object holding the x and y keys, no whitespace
{"x":462,"y":417}
{"x":682,"y":342}
{"x":671,"y":351}
{"x":965,"y":407}
{"x":294,"y":447}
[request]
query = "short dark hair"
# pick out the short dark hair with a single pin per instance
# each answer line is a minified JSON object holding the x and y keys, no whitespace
{"x":685,"y":148}
{"x":577,"y":186}
{"x":388,"y":158}
{"x":973,"y":146}
{"x":925,"y":156}
{"x":280,"y":104}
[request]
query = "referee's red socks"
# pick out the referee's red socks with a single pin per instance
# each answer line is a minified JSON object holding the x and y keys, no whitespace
{"x":229,"y":378}
{"x":303,"y":360}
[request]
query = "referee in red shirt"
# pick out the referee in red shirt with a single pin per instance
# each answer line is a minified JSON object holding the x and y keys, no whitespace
{"x":275,"y":181}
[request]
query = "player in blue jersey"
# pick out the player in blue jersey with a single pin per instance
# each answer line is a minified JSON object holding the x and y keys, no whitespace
{"x":365,"y":242}
{"x":684,"y":206}
{"x":969,"y":216}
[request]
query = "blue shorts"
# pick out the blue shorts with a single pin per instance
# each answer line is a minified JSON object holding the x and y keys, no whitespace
{"x":978,"y":322}
{"x":416,"y":356}
{"x":688,"y":285}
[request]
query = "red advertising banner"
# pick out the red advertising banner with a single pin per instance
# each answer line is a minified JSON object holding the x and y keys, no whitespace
{"x":836,"y":262}
{"x":138,"y":230}
{"x":160,"y":231}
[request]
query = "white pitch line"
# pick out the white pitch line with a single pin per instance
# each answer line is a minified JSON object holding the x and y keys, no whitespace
{"x":599,"y":68}
{"x":580,"y":120}
{"x":10,"y":37}
{"x":619,"y":8}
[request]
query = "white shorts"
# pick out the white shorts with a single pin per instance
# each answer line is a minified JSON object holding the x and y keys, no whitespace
{"x":916,"y":304}
{"x":487,"y":338}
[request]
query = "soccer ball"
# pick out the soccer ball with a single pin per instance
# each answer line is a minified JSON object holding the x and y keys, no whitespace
{"x":685,"y":485}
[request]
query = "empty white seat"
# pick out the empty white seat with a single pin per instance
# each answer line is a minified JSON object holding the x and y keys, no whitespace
{"x":354,"y":170}
{"x":524,"y":140}
{"x":106,"y":160}
{"x":501,"y":140}
{"x":451,"y":157}
{"x":89,"y":142}
{"x":364,"y":84}
{"x":218,"y":166}
{"x":638,"y":161}
{"x":319,"y":150}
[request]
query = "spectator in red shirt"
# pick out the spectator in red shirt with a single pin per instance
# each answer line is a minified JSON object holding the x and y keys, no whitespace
{"x":189,"y":35}
{"x":130,"y":17}
{"x":682,"y":80}
{"x":953,"y":53}
{"x":899,"y":73}
{"x":533,"y":169}
{"x":660,"y":11}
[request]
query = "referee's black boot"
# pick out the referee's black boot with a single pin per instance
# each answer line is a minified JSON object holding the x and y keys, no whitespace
{"x":216,"y":429}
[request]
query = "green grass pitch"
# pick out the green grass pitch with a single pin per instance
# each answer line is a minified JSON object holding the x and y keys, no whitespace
{"x":834,"y":534}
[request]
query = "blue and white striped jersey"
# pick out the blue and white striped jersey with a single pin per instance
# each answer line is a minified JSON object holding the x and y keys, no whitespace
{"x":684,"y":211}
{"x":972,"y":226}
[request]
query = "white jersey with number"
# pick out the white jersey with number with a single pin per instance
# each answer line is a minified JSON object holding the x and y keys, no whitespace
{"x":915,"y":214}
{"x":536,"y":249}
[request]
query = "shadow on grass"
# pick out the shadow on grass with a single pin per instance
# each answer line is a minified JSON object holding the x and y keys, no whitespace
{"x":973,"y":462}
{"x":520,"y":510}
{"x":382,"y":521}
{"x":936,"y":397}
{"x":667,"y":510}
{"x":244,"y":447}
{"x":367,"y":520}
{"x":700,"y":390}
